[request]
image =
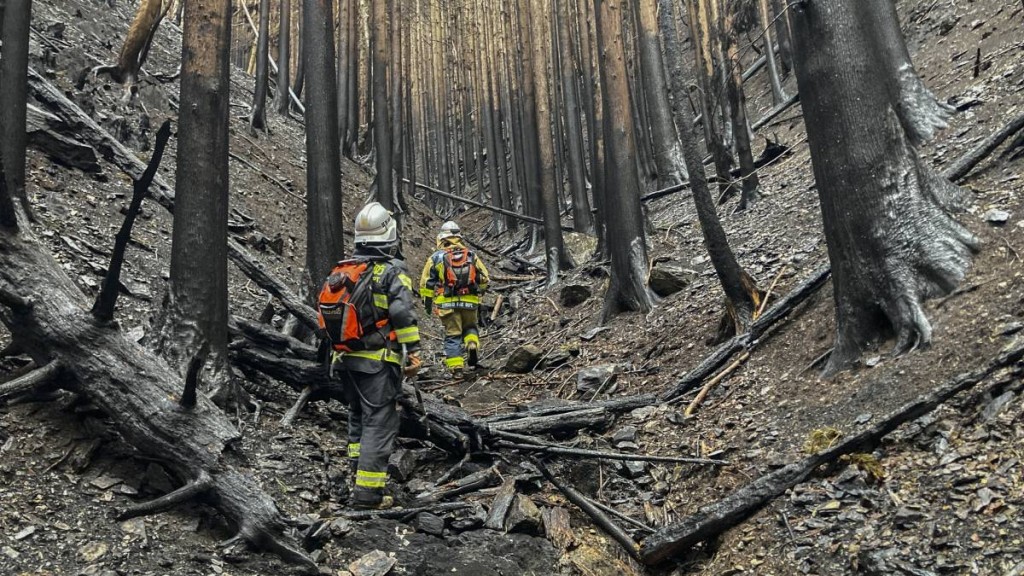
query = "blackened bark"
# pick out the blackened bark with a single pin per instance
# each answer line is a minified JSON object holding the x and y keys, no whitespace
{"x":673,"y":61}
{"x":785,"y":34}
{"x":13,"y":94}
{"x":529,"y":111}
{"x":324,"y":225}
{"x":595,"y":124}
{"x":300,"y":57}
{"x":582,"y":219}
{"x":258,"y":116}
{"x":765,"y":11}
{"x":627,"y":290}
{"x":737,"y":107}
{"x":284,"y":41}
{"x":343,"y":68}
{"x":667,"y":156}
{"x":395,"y":98}
{"x":556,"y":254}
{"x":892,"y":244}
{"x":381,"y":122}
{"x":352,"y":134}
{"x":741,"y":293}
{"x":196,"y":304}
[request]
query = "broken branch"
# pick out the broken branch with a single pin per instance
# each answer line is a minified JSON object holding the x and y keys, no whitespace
{"x":566,"y":451}
{"x":186,"y":493}
{"x":31,"y":381}
{"x":968,"y":161}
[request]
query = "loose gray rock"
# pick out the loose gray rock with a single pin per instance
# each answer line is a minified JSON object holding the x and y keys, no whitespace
{"x":524,"y":359}
{"x":429,"y":523}
{"x":624,"y":434}
{"x":667,"y":280}
{"x":524,"y":517}
{"x":996,"y":217}
{"x":633,"y":469}
{"x":589,"y":379}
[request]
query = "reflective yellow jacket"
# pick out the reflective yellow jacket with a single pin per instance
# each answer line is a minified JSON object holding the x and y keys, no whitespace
{"x":432,"y":283}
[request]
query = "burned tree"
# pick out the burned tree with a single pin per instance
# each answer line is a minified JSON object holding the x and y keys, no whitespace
{"x":258,"y":115}
{"x":195,"y":312}
{"x":13,"y":95}
{"x":136,"y":43}
{"x":381,"y":122}
{"x":282,"y":98}
{"x":324,"y":241}
{"x":625,"y":229}
{"x":892,"y":243}
{"x":668,"y":157}
{"x":582,"y":220}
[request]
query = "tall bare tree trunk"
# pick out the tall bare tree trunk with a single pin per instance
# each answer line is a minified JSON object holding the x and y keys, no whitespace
{"x":555,"y":252}
{"x":727,"y":33}
{"x":196,"y":306}
{"x":582,"y":219}
{"x":284,"y":42}
{"x":324,"y":220}
{"x":668,"y":156}
{"x":381,"y":122}
{"x":13,"y":95}
{"x":765,"y":12}
{"x":258,"y":115}
{"x":352,"y":87}
{"x":627,"y":290}
{"x":343,"y":67}
{"x":893,"y":244}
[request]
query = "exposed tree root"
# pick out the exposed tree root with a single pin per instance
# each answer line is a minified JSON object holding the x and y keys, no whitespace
{"x":31,"y":381}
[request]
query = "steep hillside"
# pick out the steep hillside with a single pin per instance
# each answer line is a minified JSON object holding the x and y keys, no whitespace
{"x":950,"y":497}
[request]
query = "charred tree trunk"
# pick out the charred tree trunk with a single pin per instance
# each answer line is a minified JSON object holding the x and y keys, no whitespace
{"x":324,"y":241}
{"x":395,"y":99}
{"x":627,"y":290}
{"x":258,"y":116}
{"x":136,"y":43}
{"x":300,"y":50}
{"x":556,"y":254}
{"x":195,"y":314}
{"x":581,"y":218}
{"x":741,"y":292}
{"x":674,"y":62}
{"x":595,"y":125}
{"x":13,"y":110}
{"x":284,"y":41}
{"x":381,"y":122}
{"x":783,"y":29}
{"x":668,"y":158}
{"x":343,"y":68}
{"x":892,"y":244}
{"x":765,"y":12}
{"x":731,"y":67}
{"x":352,"y":134}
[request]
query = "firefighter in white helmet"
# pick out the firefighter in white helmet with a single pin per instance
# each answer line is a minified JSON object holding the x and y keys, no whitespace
{"x":453,"y":279}
{"x":366,"y":308}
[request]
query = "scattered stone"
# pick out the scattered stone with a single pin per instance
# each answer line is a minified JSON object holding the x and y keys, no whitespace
{"x":429,"y":523}
{"x":633,"y":469}
{"x":376,"y":563}
{"x":624,"y":434}
{"x":560,"y":356}
{"x":105,"y":482}
{"x":592,"y":333}
{"x":573,"y":295}
{"x":470,"y":521}
{"x":591,"y":378}
{"x":873,"y":361}
{"x":135,"y":527}
{"x":524,"y":517}
{"x":10,"y":552}
{"x":1010,"y":328}
{"x":907,"y":516}
{"x":667,"y":280}
{"x":341,"y":526}
{"x":524,"y":359}
{"x":25,"y":533}
{"x":863,"y":418}
{"x":92,"y":552}
{"x":402,"y":465}
{"x":644,"y":412}
{"x":996,"y":217}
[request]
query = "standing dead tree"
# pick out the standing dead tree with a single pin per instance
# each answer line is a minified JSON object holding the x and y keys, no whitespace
{"x":258,"y":115}
{"x":136,"y":44}
{"x":894,"y":243}
{"x":13,"y":96}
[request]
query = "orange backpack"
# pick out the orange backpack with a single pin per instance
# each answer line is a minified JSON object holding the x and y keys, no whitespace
{"x":346,"y":310}
{"x":460,"y":273}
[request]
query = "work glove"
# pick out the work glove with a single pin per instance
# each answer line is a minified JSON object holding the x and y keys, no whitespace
{"x":412,"y":365}
{"x":428,"y":305}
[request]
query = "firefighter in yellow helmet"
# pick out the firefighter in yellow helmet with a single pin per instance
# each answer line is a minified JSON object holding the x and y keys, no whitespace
{"x":453,"y":279}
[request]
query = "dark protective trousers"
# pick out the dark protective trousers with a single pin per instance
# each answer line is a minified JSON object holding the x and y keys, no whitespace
{"x":372,"y":427}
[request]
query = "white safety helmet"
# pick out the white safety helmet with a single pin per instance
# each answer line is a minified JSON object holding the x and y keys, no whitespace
{"x":376,"y":226}
{"x":449,"y":230}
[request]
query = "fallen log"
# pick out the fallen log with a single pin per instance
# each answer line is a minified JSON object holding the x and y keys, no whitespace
{"x":44,"y":135}
{"x":399,"y":513}
{"x":564,"y":422}
{"x":717,"y":517}
{"x":968,"y":161}
{"x":584,"y":453}
{"x":615,"y":406}
{"x":258,"y":274}
{"x":137,"y":390}
{"x":749,"y":340}
{"x":476,"y":481}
